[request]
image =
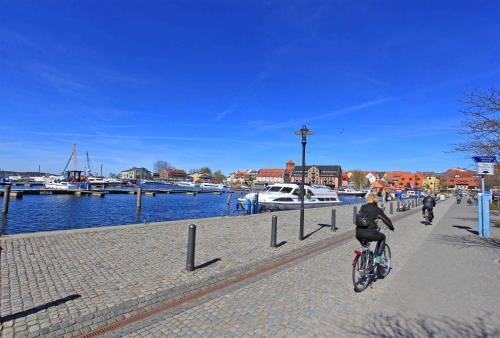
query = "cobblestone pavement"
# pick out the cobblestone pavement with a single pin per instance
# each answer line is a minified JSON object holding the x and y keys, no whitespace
{"x":449,"y":289}
{"x":312,"y":298}
{"x":70,"y":282}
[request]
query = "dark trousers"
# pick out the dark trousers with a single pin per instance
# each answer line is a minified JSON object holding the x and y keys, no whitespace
{"x":430,"y":211}
{"x":372,"y":236}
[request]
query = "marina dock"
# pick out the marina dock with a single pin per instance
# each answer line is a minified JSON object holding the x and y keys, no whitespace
{"x":101,"y":193}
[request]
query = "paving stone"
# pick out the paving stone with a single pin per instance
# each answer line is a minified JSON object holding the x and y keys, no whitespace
{"x":108,"y":272}
{"x":300,"y":300}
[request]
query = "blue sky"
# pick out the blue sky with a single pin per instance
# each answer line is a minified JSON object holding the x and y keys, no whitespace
{"x":225,"y":84}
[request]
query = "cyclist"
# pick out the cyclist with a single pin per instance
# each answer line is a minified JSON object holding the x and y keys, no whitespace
{"x":429,"y":203}
{"x":371,"y":232}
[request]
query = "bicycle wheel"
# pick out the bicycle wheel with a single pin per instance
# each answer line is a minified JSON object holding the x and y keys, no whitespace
{"x":361,"y":272}
{"x":384,"y":267}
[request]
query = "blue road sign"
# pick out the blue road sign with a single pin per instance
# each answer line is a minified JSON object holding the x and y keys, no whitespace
{"x":485,"y":159}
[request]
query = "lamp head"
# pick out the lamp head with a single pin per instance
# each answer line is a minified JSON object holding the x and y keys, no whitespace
{"x":304,"y":132}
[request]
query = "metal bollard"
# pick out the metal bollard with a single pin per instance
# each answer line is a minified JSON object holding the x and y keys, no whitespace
{"x":139,"y":198}
{"x":6,"y":199}
{"x":391,"y":208}
{"x":334,"y":219}
{"x":354,"y":212}
{"x":191,"y":247}
{"x":274,"y":230}
{"x":397,"y":206}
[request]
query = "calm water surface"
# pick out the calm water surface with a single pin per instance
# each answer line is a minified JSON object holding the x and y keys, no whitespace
{"x":60,"y":212}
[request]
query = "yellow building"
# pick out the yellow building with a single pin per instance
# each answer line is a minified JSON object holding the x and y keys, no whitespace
{"x":431,"y":183}
{"x":200,"y":177}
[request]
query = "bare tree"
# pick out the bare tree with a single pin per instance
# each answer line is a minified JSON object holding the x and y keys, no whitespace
{"x":205,"y":170}
{"x":481,"y":124}
{"x":160,"y":165}
{"x":219,"y":176}
{"x":359,"y":179}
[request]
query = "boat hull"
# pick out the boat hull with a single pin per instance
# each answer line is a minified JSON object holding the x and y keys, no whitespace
{"x":58,"y":186}
{"x":211,"y":186}
{"x":356,"y":194}
{"x":280,"y":206}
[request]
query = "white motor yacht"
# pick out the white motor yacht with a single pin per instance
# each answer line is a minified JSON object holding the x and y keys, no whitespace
{"x":97,"y":180}
{"x":58,"y":183}
{"x":211,"y":186}
{"x":186,"y":184}
{"x":285,"y":196}
{"x":351,"y":192}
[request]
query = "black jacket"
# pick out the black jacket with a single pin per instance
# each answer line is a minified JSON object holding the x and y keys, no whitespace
{"x":429,"y":201}
{"x":374,"y":212}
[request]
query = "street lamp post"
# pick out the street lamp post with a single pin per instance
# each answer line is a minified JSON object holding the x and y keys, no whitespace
{"x":303,"y":132}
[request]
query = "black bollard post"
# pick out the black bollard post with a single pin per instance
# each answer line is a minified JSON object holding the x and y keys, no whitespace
{"x":397,"y":209}
{"x":6,"y":199}
{"x":334,"y":219}
{"x":274,"y":230}
{"x":139,"y":198}
{"x":191,"y":247}
{"x":354,"y":212}
{"x":391,"y":208}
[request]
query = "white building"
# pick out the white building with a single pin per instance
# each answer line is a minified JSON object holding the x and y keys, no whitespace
{"x":371,"y":177}
{"x":135,"y":174}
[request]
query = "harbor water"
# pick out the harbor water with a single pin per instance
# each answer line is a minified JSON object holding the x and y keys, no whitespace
{"x":35,"y":213}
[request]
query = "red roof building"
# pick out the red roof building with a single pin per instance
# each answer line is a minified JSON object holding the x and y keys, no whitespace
{"x":458,"y":173}
{"x":171,"y":174}
{"x":462,"y":183}
{"x":379,"y":185}
{"x":272,"y":176}
{"x":401,"y":180}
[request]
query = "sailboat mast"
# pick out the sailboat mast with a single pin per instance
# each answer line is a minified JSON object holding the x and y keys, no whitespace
{"x":88,"y":172}
{"x":75,"y":163}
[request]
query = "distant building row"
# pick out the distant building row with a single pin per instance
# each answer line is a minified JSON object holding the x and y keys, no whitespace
{"x":452,"y":179}
{"x":314,"y":174}
{"x":167,"y":174}
{"x":330,"y":175}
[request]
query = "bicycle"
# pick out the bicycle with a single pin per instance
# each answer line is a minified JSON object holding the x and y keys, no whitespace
{"x":364,"y":268}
